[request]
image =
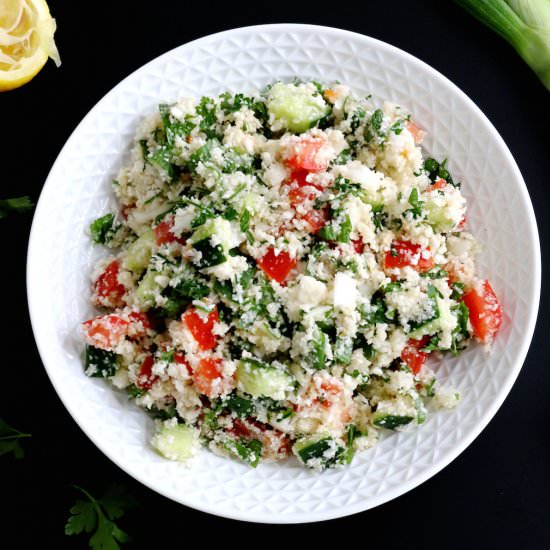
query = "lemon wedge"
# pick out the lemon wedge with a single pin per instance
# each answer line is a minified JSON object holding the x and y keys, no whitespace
{"x":26,"y":41}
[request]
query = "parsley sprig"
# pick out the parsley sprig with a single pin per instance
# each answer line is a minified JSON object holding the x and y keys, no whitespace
{"x":16,"y":204}
{"x":10,"y":440}
{"x":99,"y":515}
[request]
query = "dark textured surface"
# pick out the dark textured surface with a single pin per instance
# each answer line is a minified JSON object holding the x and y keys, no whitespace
{"x":495,"y":495}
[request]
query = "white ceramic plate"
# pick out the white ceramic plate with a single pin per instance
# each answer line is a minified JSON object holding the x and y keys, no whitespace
{"x":78,"y":190}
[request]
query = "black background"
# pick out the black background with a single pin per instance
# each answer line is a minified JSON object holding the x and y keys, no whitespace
{"x":494,"y":495}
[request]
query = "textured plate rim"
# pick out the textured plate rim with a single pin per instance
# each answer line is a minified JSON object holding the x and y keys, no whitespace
{"x":34,"y":273}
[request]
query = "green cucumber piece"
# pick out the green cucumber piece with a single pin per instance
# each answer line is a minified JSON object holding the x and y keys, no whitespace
{"x":391,"y":421}
{"x":261,"y":380}
{"x":297,"y":107}
{"x":139,"y":252}
{"x":444,"y":316}
{"x":318,"y":451}
{"x":147,"y":289}
{"x":437,"y":217}
{"x":101,"y":363}
{"x":176,"y":441}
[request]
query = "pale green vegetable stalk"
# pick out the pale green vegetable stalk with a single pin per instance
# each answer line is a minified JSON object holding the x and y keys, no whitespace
{"x":524,"y":23}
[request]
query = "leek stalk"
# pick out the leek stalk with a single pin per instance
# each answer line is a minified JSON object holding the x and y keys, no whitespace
{"x":525,"y":24}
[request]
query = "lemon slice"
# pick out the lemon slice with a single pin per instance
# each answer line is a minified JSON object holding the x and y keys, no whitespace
{"x":26,"y":41}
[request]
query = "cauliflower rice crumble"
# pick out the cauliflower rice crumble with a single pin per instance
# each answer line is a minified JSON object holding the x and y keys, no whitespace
{"x":282,"y":266}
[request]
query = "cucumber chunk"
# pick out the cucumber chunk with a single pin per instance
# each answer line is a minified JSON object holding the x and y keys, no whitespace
{"x":261,"y":380}
{"x":139,"y":252}
{"x":176,"y":441}
{"x":437,"y":216}
{"x":391,"y":421}
{"x":101,"y":363}
{"x":298,"y":108}
{"x":215,"y":239}
{"x":147,"y":289}
{"x":319,"y":451}
{"x":443,"y":319}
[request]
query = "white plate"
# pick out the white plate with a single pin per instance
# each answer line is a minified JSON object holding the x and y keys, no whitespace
{"x":78,"y":190}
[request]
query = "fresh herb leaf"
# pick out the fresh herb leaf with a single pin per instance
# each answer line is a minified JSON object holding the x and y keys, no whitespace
{"x":211,"y":255}
{"x":248,"y":450}
{"x":103,"y":229}
{"x":18,"y":205}
{"x":356,"y":118}
{"x":245,"y":221}
{"x":435,"y":273}
{"x":343,"y":349}
{"x":397,"y":126}
{"x":206,"y":109}
{"x":344,"y":157}
{"x":416,"y":204}
{"x":374,"y":125}
{"x":99,"y":516}
{"x":241,"y":406}
{"x":10,"y":440}
{"x":318,"y":357}
{"x":436,"y":170}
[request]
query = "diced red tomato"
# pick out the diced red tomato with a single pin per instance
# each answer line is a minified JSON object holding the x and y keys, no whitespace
{"x":274,"y":442}
{"x":180,"y":359}
{"x":299,"y":195}
{"x":461,"y":224}
{"x":485,"y":312}
{"x":207,"y":376}
{"x":438,"y":184}
{"x":305,"y":155}
{"x":329,"y":389}
{"x":316,"y":219}
{"x":201,"y":328}
{"x":412,"y":356}
{"x":240,"y":429}
{"x":416,"y":132}
{"x":105,"y":332}
{"x":163,"y":232}
{"x":277,"y":266}
{"x":405,"y":253}
{"x":358,"y":245}
{"x":140,"y":322}
{"x":146,"y":379}
{"x":108,"y":291}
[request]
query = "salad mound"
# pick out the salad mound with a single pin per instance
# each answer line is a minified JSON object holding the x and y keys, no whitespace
{"x":283,"y":266}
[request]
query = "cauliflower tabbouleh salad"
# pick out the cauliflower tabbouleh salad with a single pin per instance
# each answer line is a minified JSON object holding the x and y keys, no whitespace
{"x":284,"y":264}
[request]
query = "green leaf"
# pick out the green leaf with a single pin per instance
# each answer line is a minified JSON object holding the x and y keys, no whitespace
{"x":241,"y":406}
{"x":374,"y":125}
{"x":99,"y":515}
{"x":18,"y":205}
{"x":250,"y":451}
{"x":102,"y":229}
{"x":416,"y":203}
{"x":115,"y":500}
{"x":10,"y":440}
{"x":83,"y":518}
{"x":318,"y":356}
